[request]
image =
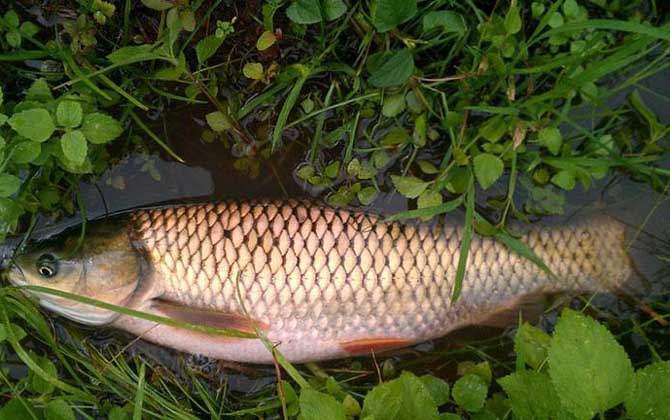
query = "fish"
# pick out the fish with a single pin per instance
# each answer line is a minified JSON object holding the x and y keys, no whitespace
{"x":319,"y":282}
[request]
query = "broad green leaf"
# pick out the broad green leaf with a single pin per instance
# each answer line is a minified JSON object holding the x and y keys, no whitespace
{"x":391,"y":69}
{"x":11,"y":19}
{"x":429,"y":199}
{"x":564,"y":179}
{"x":481,"y":369}
{"x":58,"y":409}
{"x":266,"y":40}
{"x":409,"y":186}
{"x":316,"y":405}
{"x":2,"y":96}
{"x":34,"y":124}
{"x":9,"y":184}
{"x":207,"y":47}
{"x":17,"y":408}
{"x":3,"y":119}
{"x":393,"y":105}
{"x":69,"y":114}
{"x":383,"y":401}
{"x":366,"y":195}
{"x":253,"y":71}
{"x":36,"y":383}
{"x":494,"y":128}
{"x":218,"y":121}
{"x":532,"y":396}
{"x":446,"y":20}
{"x":133,"y":54}
{"x":512,"y":20}
{"x":26,"y":151}
{"x":387,"y":14}
{"x":158,"y":4}
{"x":74,"y":146}
{"x":28,"y":29}
{"x":550,"y":137}
{"x":172,"y":72}
{"x":469,"y":392}
{"x":13,"y":38}
{"x":438,"y":388}
{"x":531,"y":345}
{"x":588,"y":368}
{"x":100,"y":128}
{"x":419,"y":132}
{"x":650,"y":396}
{"x":39,"y":91}
{"x":304,"y":12}
{"x":396,"y":136}
{"x":417,"y":401}
{"x":187,"y":20}
{"x":333,"y":9}
{"x":488,"y":169}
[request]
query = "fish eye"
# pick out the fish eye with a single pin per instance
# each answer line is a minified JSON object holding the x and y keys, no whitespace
{"x":47,"y":266}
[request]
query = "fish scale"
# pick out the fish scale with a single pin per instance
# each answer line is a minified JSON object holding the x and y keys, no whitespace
{"x":331,"y":276}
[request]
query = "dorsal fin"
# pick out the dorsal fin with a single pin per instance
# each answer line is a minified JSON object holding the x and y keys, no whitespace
{"x":209,"y":317}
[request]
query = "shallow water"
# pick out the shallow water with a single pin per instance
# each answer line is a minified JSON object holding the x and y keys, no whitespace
{"x":208,"y":174}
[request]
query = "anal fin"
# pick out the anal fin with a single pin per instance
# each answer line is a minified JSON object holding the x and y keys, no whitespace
{"x":528,"y":308}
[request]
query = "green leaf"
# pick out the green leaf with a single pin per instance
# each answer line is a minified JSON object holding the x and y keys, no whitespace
{"x":387,"y":14}
{"x":333,"y":9}
{"x":488,"y":168}
{"x":550,"y":137}
{"x":393,"y":105}
{"x":34,"y":124}
{"x":532,"y":396}
{"x":11,"y":19}
{"x":58,"y":409}
{"x":367,"y":195}
{"x":253,"y":71}
{"x":304,"y":12}
{"x":531,"y":345}
{"x":429,"y":199}
{"x":396,"y":136}
{"x":417,"y":401}
{"x":28,"y":29}
{"x":100,"y":128}
{"x":266,"y":40}
{"x":494,"y":128}
{"x":391,"y":69}
{"x":2,"y":96}
{"x":74,"y":147}
{"x":316,"y":405}
{"x":17,"y":408}
{"x":564,"y":179}
{"x":3,"y":119}
{"x":133,"y":54}
{"x":26,"y":151}
{"x":158,"y":4}
{"x":187,"y":19}
{"x":9,"y":184}
{"x":446,"y":20}
{"x":39,"y":91}
{"x":207,"y":47}
{"x":69,"y":114}
{"x":36,"y":383}
{"x":218,"y":121}
{"x":438,"y":388}
{"x":469,"y":392}
{"x":650,"y":396}
{"x":13,"y":39}
{"x":512,"y":20}
{"x":588,"y":368}
{"x":409,"y":186}
{"x":383,"y":401}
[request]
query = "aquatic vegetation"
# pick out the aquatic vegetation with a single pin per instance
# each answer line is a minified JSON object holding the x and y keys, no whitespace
{"x":494,"y":108}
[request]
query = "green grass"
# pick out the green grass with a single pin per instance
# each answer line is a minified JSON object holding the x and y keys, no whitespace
{"x":495,"y":108}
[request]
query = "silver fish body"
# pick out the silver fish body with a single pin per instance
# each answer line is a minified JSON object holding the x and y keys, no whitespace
{"x":326,"y":283}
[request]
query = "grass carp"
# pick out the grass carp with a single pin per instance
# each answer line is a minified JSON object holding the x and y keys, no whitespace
{"x":323,"y":283}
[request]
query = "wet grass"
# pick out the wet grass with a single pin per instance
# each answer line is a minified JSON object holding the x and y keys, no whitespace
{"x":494,"y":108}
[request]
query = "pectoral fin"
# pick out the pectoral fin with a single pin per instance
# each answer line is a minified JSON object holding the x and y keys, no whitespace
{"x":374,"y":344}
{"x":208,"y":317}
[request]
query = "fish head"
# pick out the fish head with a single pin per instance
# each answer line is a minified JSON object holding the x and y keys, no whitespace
{"x":105,"y":267}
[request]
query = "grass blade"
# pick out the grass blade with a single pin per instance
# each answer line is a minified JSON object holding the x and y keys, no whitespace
{"x":468,"y":232}
{"x":154,"y":137}
{"x":427,"y":211}
{"x":139,"y":398}
{"x":291,"y":99}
